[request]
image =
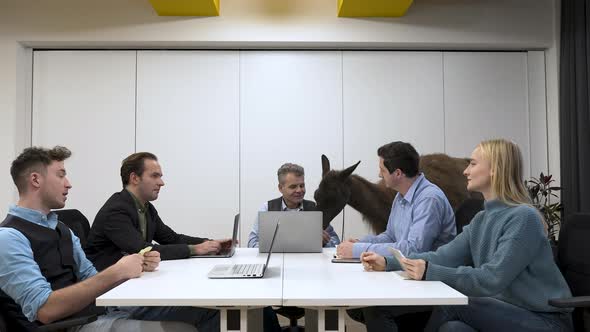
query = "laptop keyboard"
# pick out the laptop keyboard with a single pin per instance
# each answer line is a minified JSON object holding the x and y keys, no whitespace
{"x":247,"y":269}
{"x":224,"y":252}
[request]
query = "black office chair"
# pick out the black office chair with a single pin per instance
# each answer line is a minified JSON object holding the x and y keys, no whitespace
{"x":2,"y":323}
{"x":76,"y":221}
{"x":573,"y":259}
{"x":466,"y":211}
{"x":57,"y":326}
{"x":9,"y":323}
{"x":293,"y":314}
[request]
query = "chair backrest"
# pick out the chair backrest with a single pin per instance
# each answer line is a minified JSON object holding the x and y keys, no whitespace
{"x":3,"y":327}
{"x":573,"y":256}
{"x":77,"y":222}
{"x":573,"y":259}
{"x":466,"y":211}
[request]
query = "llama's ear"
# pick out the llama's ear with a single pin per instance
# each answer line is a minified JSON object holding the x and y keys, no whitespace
{"x":346,"y":173}
{"x":325,"y":165}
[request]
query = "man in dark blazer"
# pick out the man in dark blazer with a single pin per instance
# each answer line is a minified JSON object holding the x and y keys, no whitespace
{"x":128,"y":222}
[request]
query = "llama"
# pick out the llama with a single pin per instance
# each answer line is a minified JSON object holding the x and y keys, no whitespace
{"x":373,"y":200}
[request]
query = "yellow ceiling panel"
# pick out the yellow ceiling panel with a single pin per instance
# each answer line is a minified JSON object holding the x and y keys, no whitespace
{"x":373,"y":8}
{"x":186,"y":7}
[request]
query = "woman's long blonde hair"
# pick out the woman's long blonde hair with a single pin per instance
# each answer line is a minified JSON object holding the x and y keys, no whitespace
{"x":507,"y":174}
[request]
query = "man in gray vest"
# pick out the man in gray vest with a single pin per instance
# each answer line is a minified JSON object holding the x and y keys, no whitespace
{"x":292,"y":187}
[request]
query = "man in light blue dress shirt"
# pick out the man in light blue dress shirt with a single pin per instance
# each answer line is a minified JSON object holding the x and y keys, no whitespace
{"x":421,"y":217}
{"x":44,"y":274}
{"x":421,"y":220}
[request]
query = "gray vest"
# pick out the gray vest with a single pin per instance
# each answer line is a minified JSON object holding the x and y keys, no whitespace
{"x":277,"y":205}
{"x":53,"y":252}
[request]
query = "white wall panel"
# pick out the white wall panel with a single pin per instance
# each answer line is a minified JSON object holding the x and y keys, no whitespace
{"x":222,"y":122}
{"x":389,"y":96}
{"x":291,"y":111}
{"x":188,"y":115}
{"x":85,"y":100}
{"x":486,"y":96}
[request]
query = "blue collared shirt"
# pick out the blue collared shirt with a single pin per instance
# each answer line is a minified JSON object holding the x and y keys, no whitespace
{"x":253,"y":237}
{"x":20,"y":276}
{"x":420,"y":221}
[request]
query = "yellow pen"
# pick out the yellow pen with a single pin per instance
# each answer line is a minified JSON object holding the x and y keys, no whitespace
{"x":144,"y":250}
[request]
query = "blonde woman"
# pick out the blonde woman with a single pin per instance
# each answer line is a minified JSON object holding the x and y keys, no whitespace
{"x":502,"y":260}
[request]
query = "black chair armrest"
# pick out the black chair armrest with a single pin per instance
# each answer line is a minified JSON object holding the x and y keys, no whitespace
{"x":571,"y":302}
{"x":67,"y":323}
{"x":2,"y":324}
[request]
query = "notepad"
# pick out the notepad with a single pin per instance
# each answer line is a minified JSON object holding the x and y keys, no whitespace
{"x":397,"y":254}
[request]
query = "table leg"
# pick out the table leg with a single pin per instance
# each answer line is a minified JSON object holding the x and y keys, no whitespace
{"x":341,"y":319}
{"x":244,"y":320}
{"x":223,"y":319}
{"x":252,"y":324}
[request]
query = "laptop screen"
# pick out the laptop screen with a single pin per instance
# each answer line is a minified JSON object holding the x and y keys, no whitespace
{"x":235,"y":235}
{"x":301,"y":231}
{"x":271,"y":243}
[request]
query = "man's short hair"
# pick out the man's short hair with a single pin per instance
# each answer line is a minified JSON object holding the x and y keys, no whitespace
{"x":400,"y":155}
{"x":289,"y":168}
{"x":134,"y":164}
{"x":35,"y":159}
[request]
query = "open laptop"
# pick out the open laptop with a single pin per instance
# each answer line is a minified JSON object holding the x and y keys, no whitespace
{"x":301,"y":231}
{"x":228,"y":252}
{"x":233,"y":271}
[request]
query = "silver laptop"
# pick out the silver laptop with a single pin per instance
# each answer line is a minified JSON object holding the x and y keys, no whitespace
{"x":301,"y":231}
{"x":233,"y":271}
{"x":228,"y":252}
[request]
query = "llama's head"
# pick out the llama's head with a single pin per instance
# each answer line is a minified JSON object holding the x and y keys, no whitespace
{"x":333,"y":192}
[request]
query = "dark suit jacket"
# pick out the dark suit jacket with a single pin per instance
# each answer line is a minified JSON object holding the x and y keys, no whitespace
{"x":115,"y":232}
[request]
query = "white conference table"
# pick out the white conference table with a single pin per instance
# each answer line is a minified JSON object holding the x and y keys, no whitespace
{"x":312,"y":281}
{"x":303,"y":280}
{"x":184,"y":282}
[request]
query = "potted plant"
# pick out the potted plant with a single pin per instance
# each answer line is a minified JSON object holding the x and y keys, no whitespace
{"x":542,"y":192}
